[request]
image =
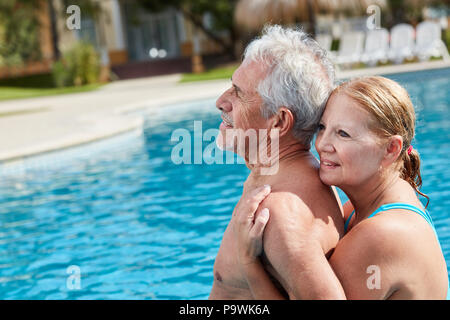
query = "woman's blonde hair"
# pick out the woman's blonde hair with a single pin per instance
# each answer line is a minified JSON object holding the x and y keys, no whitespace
{"x":393,"y":114}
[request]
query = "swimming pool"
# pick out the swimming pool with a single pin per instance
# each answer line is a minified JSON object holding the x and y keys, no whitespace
{"x":137,"y":226}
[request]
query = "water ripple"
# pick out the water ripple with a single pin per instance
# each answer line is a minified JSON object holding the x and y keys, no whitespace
{"x":141,"y":227}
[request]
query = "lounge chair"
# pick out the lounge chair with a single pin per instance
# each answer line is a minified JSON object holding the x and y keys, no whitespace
{"x":376,"y":48}
{"x":428,"y":41}
{"x":325,"y":40}
{"x":402,"y":43}
{"x":350,"y":48}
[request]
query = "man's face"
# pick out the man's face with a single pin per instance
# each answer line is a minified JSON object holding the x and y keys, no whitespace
{"x":241,"y":104}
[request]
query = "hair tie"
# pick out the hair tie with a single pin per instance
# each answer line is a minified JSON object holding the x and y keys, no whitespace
{"x":409,"y":150}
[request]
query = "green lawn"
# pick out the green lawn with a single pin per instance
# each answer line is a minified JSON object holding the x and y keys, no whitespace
{"x":36,"y":86}
{"x":212,"y":74}
{"x":7,"y":93}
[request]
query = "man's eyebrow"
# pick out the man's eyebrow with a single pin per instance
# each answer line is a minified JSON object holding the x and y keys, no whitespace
{"x":235,"y":86}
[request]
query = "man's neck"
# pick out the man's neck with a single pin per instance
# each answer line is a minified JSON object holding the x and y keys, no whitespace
{"x":288,"y":153}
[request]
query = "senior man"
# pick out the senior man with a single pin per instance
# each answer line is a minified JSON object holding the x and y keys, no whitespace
{"x":282,"y":86}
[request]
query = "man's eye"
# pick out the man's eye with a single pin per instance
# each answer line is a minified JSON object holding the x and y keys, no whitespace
{"x":344,"y":134}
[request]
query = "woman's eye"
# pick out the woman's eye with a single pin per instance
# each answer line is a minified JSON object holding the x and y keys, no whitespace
{"x":320,"y":127}
{"x":343,"y":134}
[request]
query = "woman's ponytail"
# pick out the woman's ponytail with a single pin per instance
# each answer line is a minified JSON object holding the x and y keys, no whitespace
{"x":411,"y":171}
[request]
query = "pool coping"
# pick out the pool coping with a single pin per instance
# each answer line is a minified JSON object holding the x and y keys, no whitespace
{"x":340,"y":76}
{"x":117,"y":120}
{"x":73,"y":140}
{"x":394,"y":69}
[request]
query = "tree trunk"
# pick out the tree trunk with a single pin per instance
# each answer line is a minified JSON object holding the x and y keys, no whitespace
{"x":54,"y":30}
{"x":312,"y":19}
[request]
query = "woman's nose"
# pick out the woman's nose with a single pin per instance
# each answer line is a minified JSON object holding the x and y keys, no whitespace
{"x":323,"y":143}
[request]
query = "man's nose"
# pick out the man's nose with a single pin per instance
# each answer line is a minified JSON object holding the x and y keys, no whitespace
{"x":223,"y":104}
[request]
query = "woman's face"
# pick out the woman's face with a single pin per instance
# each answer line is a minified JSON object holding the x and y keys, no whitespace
{"x":350,"y":153}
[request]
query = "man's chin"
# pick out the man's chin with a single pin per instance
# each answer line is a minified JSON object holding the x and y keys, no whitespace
{"x":225,"y":144}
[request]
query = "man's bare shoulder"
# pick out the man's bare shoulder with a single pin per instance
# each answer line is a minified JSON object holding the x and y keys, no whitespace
{"x":294,"y":222}
{"x":289,"y":216}
{"x":286,"y":203}
{"x":304,"y":208}
{"x":292,"y":240}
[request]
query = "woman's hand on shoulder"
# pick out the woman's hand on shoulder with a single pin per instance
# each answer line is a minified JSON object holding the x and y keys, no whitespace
{"x":248,"y":225}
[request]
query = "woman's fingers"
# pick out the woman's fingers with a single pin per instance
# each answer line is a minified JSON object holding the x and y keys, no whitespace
{"x":252,"y":202}
{"x":253,"y":242}
{"x":259,"y":194}
{"x":260,"y":224}
{"x":248,"y":229}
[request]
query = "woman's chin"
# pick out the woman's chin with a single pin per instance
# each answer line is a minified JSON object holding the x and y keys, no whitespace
{"x":327,"y":179}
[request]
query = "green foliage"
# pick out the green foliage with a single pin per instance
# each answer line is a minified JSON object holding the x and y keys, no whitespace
{"x":78,"y":66}
{"x":61,"y":74}
{"x":411,"y":11}
{"x":221,"y":10}
{"x":19,"y":32}
{"x":335,"y":44}
{"x":88,"y":8}
{"x":446,"y":38}
{"x":43,"y":80}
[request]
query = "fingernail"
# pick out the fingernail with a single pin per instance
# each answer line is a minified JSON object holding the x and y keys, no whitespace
{"x":266,"y":186}
{"x":264,"y":213}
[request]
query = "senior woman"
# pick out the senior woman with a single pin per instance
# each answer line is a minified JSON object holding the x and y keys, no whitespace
{"x":390,"y":249}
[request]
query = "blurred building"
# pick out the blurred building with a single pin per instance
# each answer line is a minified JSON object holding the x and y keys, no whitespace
{"x":131,"y":41}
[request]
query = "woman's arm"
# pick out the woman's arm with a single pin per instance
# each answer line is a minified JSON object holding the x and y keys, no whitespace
{"x":300,"y":262}
{"x":260,"y":284}
{"x":249,"y":234}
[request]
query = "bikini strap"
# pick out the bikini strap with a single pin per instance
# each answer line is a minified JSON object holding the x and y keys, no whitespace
{"x":397,"y":205}
{"x":404,"y":206}
{"x":348,"y":221}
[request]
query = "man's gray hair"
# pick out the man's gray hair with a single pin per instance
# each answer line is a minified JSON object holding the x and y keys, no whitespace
{"x":300,"y":77}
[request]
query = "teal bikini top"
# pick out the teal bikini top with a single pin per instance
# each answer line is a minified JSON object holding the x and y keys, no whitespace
{"x":398,"y":205}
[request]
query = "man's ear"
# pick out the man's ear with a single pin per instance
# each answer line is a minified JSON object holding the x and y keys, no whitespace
{"x":394,"y":147}
{"x":283,"y":121}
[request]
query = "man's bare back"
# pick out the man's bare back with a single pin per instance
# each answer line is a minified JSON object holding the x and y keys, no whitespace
{"x":302,"y":199}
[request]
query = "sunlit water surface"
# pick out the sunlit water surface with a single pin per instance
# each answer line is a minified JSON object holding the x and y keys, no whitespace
{"x":138,"y":226}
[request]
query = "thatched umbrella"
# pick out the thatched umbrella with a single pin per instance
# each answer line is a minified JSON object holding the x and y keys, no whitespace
{"x":252,"y":15}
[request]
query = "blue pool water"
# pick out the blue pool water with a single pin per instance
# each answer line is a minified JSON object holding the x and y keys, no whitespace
{"x":138,"y":226}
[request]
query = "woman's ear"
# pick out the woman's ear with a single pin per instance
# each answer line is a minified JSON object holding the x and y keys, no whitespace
{"x":393,"y":149}
{"x":283,"y":121}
